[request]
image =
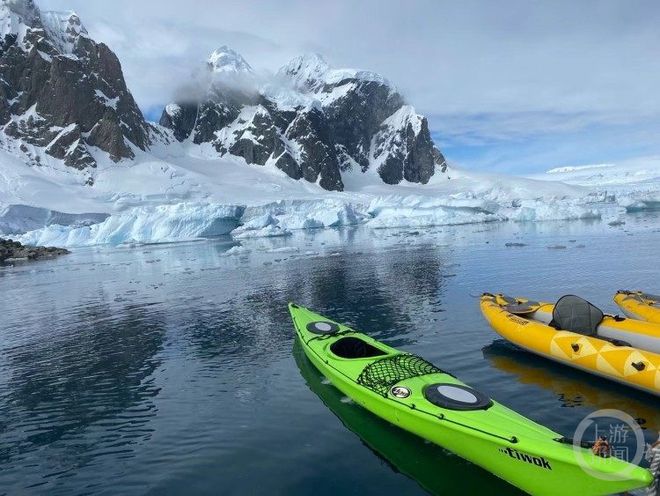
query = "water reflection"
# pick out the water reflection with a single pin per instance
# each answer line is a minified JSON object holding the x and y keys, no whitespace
{"x":351,"y":287}
{"x":573,"y":388}
{"x":95,"y":374}
{"x":89,"y":340}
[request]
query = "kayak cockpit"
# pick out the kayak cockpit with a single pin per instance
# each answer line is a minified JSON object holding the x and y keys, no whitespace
{"x":570,"y":313}
{"x":353,"y":347}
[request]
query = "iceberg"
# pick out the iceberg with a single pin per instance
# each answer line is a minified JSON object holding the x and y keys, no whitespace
{"x":264,"y":226}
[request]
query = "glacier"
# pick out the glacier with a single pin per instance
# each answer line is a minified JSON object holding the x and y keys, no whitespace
{"x":147,"y":224}
{"x":16,"y":219}
{"x":189,"y":221}
{"x":179,"y":193}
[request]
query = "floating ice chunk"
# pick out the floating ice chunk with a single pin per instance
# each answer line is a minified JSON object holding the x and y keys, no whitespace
{"x":237,"y":250}
{"x":271,"y":231}
{"x":259,"y":227}
{"x":283,"y":249}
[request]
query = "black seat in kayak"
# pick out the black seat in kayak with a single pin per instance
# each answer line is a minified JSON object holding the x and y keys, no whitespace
{"x":351,"y":347}
{"x":575,"y":314}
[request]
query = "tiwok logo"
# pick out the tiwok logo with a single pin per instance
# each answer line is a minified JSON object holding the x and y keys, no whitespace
{"x":539,"y":461}
{"x":611,"y":432}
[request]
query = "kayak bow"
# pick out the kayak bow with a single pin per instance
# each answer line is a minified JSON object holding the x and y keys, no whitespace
{"x":639,"y":305}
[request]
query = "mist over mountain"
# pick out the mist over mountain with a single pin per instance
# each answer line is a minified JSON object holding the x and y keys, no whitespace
{"x":309,"y":120}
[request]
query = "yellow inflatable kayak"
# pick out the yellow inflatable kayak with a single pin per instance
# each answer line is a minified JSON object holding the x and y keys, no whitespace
{"x":639,"y":305}
{"x":576,"y":333}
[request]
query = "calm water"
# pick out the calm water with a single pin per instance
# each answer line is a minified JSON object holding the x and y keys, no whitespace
{"x":172,"y":368}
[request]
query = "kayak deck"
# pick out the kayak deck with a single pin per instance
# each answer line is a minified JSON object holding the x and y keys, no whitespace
{"x":394,"y":367}
{"x":432,"y":467}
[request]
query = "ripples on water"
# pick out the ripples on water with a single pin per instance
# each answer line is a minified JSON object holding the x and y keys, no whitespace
{"x":170,"y":369}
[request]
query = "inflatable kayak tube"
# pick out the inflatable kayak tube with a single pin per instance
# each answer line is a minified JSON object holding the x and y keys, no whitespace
{"x":417,"y":396}
{"x":602,"y":349}
{"x":639,"y":305}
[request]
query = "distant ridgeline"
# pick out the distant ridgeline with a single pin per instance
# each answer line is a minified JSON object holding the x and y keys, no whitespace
{"x":64,"y":101}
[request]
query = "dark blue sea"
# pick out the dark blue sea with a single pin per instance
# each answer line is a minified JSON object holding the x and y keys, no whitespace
{"x":172,"y":369}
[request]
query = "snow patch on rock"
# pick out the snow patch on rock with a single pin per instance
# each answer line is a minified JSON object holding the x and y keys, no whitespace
{"x":64,"y":29}
{"x":226,"y":60}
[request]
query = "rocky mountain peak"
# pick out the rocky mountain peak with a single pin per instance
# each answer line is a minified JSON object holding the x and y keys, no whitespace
{"x":62,"y":95}
{"x":226,"y":60}
{"x":64,"y":29}
{"x":25,"y":9}
{"x":16,"y":16}
{"x":311,"y":121}
{"x":306,"y":71}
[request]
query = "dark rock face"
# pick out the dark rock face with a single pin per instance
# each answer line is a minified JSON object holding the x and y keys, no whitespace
{"x":14,"y":250}
{"x":356,"y":117}
{"x":69,"y":146}
{"x":311,"y":121}
{"x":318,"y":160}
{"x":61,"y":90}
{"x":180,"y":118}
{"x":404,"y":144}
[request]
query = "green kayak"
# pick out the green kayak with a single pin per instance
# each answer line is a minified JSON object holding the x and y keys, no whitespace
{"x":413,"y":394}
{"x":432,"y":467}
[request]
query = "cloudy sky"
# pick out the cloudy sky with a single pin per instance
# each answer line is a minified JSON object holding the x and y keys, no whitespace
{"x":511,"y":86}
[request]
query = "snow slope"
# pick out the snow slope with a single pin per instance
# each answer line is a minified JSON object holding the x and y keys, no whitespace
{"x":633,"y":184}
{"x":640,"y":172}
{"x":181,"y":192}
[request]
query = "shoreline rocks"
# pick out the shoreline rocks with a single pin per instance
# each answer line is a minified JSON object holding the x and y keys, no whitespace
{"x":13,"y":250}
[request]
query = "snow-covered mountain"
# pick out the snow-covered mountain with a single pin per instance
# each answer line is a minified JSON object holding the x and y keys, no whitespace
{"x":309,"y":120}
{"x":61,"y":93}
{"x":64,"y":101}
{"x":242,"y":153}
